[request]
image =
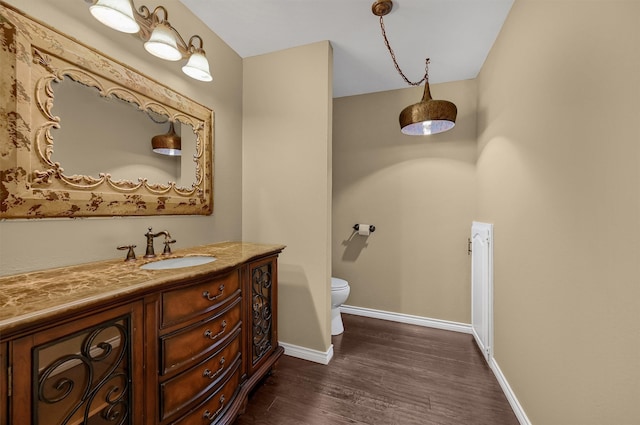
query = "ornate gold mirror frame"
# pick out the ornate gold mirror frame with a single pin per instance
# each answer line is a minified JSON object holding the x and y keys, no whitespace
{"x":32,"y":185}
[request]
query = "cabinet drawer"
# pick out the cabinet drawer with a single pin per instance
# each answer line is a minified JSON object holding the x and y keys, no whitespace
{"x":214,"y":408}
{"x":182,"y":304}
{"x":197,"y":340}
{"x":181,"y":390}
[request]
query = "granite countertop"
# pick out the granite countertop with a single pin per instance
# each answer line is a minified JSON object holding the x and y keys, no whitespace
{"x":35,"y":296}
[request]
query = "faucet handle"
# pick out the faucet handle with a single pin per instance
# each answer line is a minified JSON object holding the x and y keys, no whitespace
{"x":167,"y":246}
{"x":131,"y":255}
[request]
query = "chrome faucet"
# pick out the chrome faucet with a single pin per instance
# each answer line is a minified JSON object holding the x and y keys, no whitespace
{"x":150,"y":253}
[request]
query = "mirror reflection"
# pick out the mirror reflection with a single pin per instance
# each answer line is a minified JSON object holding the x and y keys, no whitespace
{"x":100,"y":134}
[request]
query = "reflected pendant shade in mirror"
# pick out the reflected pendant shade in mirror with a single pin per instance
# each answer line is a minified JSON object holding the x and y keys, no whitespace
{"x":167,"y":144}
{"x":428,"y":116}
{"x":116,"y":14}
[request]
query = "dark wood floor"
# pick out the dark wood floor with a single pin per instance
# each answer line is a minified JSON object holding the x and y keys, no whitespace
{"x":384,"y":373}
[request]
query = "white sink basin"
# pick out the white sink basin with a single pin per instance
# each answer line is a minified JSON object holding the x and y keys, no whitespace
{"x":176,"y":263}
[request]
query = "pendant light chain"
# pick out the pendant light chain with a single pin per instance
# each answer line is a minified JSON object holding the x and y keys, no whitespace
{"x":428,"y":116}
{"x":395,"y":62}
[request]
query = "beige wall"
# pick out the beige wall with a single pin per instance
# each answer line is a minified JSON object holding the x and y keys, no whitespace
{"x":558,"y":174}
{"x":37,"y":244}
{"x":287,"y":181}
{"x":417,"y":191}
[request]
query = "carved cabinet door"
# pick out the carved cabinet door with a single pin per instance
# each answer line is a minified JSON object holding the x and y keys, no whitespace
{"x":262,"y":291}
{"x":86,"y":370}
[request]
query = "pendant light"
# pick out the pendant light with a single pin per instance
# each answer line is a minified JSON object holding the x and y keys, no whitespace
{"x":428,"y":116}
{"x":167,"y":144}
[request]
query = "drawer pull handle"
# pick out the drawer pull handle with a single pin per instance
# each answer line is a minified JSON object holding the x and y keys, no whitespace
{"x":210,"y":335}
{"x":214,"y":297}
{"x":208,"y":374}
{"x":208,"y":415}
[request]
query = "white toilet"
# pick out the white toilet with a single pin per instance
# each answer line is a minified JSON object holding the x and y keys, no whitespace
{"x":339,"y":293}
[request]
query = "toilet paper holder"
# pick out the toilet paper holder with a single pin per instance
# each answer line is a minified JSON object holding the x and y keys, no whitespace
{"x":372,"y":228}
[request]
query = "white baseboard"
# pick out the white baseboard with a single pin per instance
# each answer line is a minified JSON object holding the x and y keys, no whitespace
{"x":307,"y":353}
{"x":407,"y":318}
{"x":508,"y":392}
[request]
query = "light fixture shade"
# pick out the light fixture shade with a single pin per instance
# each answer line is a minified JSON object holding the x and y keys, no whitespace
{"x":167,"y":144}
{"x":198,"y":67}
{"x":116,"y":14}
{"x":163,"y":43}
{"x":428,"y":116}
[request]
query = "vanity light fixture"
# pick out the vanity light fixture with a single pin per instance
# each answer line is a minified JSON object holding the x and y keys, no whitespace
{"x":153,"y":28}
{"x":428,"y":116}
{"x":197,"y":67}
{"x":162,"y":43}
{"x":167,"y":144}
{"x":115,"y":14}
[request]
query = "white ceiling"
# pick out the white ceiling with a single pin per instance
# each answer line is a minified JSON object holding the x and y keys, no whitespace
{"x":456,"y":35}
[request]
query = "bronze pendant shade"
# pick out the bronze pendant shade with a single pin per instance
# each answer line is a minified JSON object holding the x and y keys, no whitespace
{"x":428,"y":116}
{"x":167,"y":144}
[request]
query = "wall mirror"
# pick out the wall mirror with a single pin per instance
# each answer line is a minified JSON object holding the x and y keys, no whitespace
{"x":76,"y":138}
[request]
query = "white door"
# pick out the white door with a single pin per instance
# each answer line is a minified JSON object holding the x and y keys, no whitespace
{"x":482,"y":286}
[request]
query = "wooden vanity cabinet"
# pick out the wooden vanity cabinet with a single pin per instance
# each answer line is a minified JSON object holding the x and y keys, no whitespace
{"x":182,"y":353}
